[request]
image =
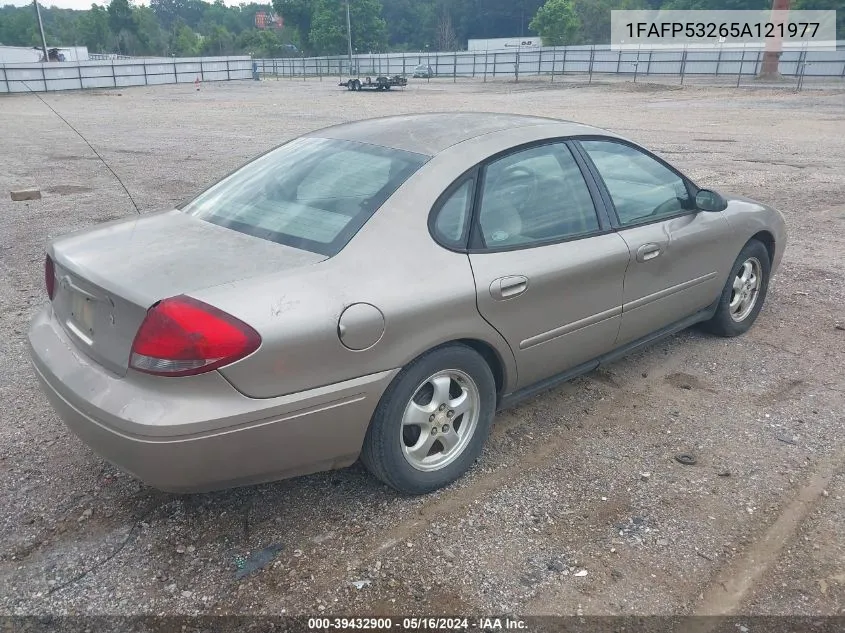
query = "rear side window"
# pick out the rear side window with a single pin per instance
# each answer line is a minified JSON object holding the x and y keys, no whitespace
{"x":536,"y":195}
{"x":450,"y":226}
{"x":311,"y":193}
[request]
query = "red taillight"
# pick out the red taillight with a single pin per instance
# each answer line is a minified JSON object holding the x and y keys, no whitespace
{"x":182,"y":336}
{"x":50,"y":277}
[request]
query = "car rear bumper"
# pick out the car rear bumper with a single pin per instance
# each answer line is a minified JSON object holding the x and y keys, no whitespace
{"x":199,"y":433}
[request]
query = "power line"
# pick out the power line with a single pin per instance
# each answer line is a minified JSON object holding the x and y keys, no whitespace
{"x":96,"y":153}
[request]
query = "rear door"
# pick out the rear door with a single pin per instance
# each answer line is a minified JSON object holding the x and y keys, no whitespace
{"x":548,"y":268}
{"x":674,"y":270}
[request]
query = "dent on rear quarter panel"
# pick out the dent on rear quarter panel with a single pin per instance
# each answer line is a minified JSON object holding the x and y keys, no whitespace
{"x":425,"y":292}
{"x":297,"y":316}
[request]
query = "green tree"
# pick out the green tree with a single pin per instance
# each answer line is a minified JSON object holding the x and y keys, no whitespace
{"x":166,"y":11}
{"x":18,"y":26}
{"x":151,"y":38}
{"x":328,"y":29}
{"x":556,"y":22}
{"x":62,"y":27}
{"x":594,"y":18}
{"x":297,"y":14}
{"x":190,"y":12}
{"x":493,"y":18}
{"x":328,"y":26}
{"x":218,"y":42}
{"x":218,"y":14}
{"x":120,"y":16}
{"x":94,"y":31}
{"x":184,"y":42}
{"x":123,"y":26}
{"x":410,"y":23}
{"x":319,"y":26}
{"x":822,"y":5}
{"x":267,"y":43}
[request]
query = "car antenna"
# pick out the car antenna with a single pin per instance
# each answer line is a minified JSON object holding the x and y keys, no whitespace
{"x":96,"y":153}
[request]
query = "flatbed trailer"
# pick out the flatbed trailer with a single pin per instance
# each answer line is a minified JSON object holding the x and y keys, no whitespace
{"x":378,"y":84}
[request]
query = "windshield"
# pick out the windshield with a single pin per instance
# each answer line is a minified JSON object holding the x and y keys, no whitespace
{"x":311,"y":193}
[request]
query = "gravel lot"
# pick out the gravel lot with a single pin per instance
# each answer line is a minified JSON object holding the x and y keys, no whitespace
{"x":577,"y":505}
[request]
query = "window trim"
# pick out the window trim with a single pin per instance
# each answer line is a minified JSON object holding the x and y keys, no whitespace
{"x":477,"y":171}
{"x":600,"y":204}
{"x":461,"y":247}
{"x":476,"y":244}
{"x":691,"y":187}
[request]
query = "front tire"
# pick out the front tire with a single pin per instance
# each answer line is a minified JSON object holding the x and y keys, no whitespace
{"x":744,"y":292}
{"x":431,"y":424}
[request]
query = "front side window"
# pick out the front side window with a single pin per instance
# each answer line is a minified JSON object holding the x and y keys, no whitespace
{"x":311,"y":193}
{"x":533,"y":196}
{"x":642,"y":189}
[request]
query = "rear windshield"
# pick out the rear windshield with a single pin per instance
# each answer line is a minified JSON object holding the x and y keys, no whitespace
{"x":311,"y":193}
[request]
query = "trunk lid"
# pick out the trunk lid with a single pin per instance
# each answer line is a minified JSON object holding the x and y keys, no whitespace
{"x":107,"y":278}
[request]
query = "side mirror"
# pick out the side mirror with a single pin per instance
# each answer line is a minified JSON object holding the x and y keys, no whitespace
{"x":707,"y":200}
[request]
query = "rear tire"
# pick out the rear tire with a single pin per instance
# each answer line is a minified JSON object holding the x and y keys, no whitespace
{"x":431,"y":424}
{"x":744,"y":292}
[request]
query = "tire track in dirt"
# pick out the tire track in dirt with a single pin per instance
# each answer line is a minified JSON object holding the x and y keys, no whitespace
{"x":658,"y":367}
{"x":460,"y":499}
{"x":730,"y":586}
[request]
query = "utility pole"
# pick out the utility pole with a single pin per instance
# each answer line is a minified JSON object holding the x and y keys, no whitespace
{"x":774,"y":45}
{"x":41,"y":27}
{"x":349,"y":35}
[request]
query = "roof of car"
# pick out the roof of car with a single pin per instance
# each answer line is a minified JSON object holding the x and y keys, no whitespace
{"x":432,"y":133}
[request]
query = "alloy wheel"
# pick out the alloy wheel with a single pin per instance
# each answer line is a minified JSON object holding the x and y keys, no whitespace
{"x":746,"y":289}
{"x":440,"y":420}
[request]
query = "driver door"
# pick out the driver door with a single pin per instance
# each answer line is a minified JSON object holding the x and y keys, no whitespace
{"x":673,"y":272}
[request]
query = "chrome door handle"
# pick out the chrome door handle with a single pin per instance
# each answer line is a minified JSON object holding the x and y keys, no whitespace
{"x":508,"y":287}
{"x":647,"y":252}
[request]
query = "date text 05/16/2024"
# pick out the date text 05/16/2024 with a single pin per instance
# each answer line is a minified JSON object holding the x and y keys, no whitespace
{"x":417,"y":624}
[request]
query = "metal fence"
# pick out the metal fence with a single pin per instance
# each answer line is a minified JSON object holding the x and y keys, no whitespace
{"x":41,"y":77}
{"x":730,"y":64}
{"x":559,"y":63}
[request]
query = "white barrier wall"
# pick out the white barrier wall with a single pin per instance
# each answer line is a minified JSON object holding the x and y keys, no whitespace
{"x":52,"y":76}
{"x":567,"y":59}
{"x":545,"y":61}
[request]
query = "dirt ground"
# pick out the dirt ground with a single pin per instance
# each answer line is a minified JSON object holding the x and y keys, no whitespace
{"x":577,"y":505}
